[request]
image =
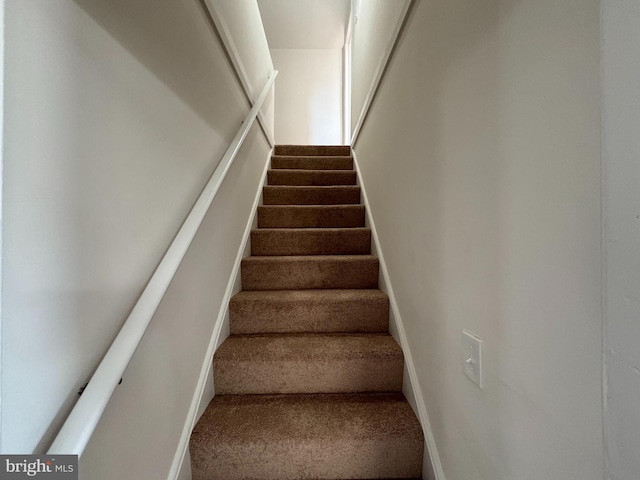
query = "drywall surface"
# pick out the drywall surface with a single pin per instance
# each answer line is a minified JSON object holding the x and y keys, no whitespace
{"x":309,"y":24}
{"x":158,"y":385}
{"x":244,"y":23}
{"x":621,"y":170}
{"x":242,"y":18}
{"x":481,"y":160}
{"x":308,"y":103}
{"x":376,"y":21}
{"x":115,"y":118}
{"x":1,"y":166}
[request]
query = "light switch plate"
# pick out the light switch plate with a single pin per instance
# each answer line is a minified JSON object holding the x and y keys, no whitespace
{"x":472,"y":357}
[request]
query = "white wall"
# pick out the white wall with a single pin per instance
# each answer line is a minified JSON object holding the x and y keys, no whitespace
{"x":1,"y":195}
{"x":243,"y":21}
{"x":376,"y":22}
{"x":143,"y":422}
{"x":306,"y":25}
{"x":115,"y":117}
{"x":621,"y":181}
{"x":481,"y":160}
{"x":308,"y":103}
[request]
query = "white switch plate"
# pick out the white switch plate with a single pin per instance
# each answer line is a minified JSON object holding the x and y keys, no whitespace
{"x":472,"y":357}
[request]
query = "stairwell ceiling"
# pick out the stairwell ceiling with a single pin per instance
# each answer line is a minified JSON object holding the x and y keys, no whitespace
{"x":305,"y":24}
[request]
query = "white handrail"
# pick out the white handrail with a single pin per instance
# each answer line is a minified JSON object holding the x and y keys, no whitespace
{"x":81,"y":423}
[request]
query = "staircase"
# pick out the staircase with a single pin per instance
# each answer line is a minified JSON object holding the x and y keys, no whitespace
{"x":308,"y":385}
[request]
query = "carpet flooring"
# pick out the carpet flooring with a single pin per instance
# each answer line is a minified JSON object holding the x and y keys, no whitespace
{"x":309,"y":383}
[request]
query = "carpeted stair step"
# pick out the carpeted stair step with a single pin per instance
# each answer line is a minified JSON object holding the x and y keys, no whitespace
{"x":312,"y":150}
{"x":317,"y":311}
{"x":308,"y":363}
{"x":310,"y":216}
{"x":311,"y":177}
{"x":309,"y":272}
{"x":311,"y":163}
{"x":291,"y":437}
{"x":311,"y":241}
{"x":288,"y":195}
{"x":308,"y":384}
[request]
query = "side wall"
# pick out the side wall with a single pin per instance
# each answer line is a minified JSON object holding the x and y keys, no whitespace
{"x":621,"y":160}
{"x":481,"y":160}
{"x":242,"y":20}
{"x":308,"y":100}
{"x":115,"y":118}
{"x":150,"y":407}
{"x":376,"y":21}
{"x":2,"y":3}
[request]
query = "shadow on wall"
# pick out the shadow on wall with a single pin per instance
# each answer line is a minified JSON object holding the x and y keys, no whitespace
{"x":172,"y":43}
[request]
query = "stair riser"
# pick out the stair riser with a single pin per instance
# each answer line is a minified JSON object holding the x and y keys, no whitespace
{"x":312,"y":163}
{"x":327,"y":376}
{"x":355,"y":315}
{"x":273,"y":195}
{"x":312,"y":150}
{"x":310,"y":217}
{"x":311,"y":178}
{"x":304,"y":274}
{"x":390,"y":459}
{"x":308,"y":363}
{"x":312,"y":242}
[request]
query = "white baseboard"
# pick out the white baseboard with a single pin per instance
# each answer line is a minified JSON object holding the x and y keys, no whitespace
{"x":411,"y":386}
{"x":202,"y":397}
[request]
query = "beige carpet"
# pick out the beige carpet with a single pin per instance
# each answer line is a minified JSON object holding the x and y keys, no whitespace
{"x":308,"y":385}
{"x":310,"y":216}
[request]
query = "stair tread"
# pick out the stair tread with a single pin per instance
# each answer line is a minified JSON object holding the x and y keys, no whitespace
{"x":311,"y":171}
{"x":313,"y":295}
{"x":312,"y":230}
{"x":318,"y":188}
{"x":302,"y":208}
{"x":311,"y":258}
{"x":319,"y":150}
{"x":305,"y":436}
{"x":313,"y":157}
{"x":346,"y":206}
